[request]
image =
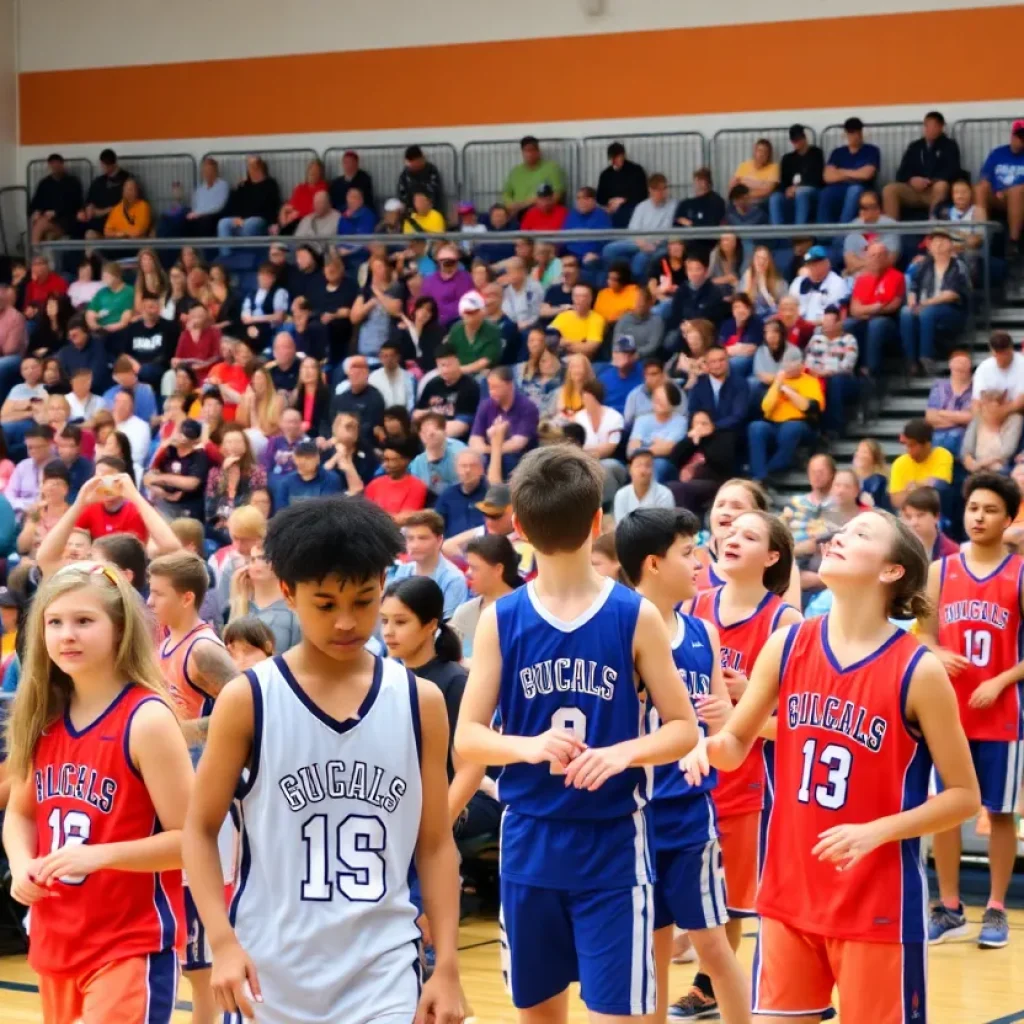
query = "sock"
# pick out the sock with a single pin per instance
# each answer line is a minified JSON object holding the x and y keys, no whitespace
{"x":955,"y":907}
{"x":703,"y":982}
{"x":996,"y":905}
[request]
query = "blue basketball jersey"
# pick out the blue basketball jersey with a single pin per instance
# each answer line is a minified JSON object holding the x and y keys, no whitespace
{"x":685,"y":814}
{"x":577,"y":676}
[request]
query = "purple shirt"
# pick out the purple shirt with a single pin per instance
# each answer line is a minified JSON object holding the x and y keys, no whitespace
{"x":279,"y":455}
{"x":943,"y":397}
{"x":522,"y":417}
{"x":23,"y":487}
{"x":447,"y":293}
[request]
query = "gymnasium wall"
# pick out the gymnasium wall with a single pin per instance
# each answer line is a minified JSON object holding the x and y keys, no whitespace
{"x":155,"y":76}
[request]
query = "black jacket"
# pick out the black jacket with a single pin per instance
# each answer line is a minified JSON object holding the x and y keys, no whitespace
{"x":706,"y":303}
{"x":256,"y":199}
{"x":338,"y":189}
{"x":719,"y":451}
{"x":809,"y":165}
{"x":628,"y":182}
{"x":939,"y":161}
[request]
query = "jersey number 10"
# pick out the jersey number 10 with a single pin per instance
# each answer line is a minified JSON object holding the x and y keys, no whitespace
{"x":359,"y":856}
{"x":70,"y":829}
{"x":978,"y":647}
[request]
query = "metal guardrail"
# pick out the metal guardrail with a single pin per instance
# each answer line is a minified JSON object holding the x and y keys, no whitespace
{"x":11,"y":217}
{"x":891,"y":138}
{"x":731,"y":146}
{"x":486,"y":165}
{"x":675,"y":154}
{"x":286,"y":166}
{"x":978,"y":137}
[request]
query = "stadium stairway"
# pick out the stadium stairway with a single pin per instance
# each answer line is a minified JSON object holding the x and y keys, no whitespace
{"x":906,"y":397}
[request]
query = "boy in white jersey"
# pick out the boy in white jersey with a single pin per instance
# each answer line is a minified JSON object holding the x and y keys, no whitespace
{"x":342,"y":762}
{"x":563,"y":658}
{"x":196,"y":667}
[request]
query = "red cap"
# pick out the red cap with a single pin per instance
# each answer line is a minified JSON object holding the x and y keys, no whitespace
{"x":1018,"y":126}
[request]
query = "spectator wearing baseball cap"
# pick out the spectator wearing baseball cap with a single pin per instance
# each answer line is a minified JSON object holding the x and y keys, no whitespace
{"x":469,"y":221}
{"x":391,"y":222}
{"x":448,"y":284}
{"x":475,"y":339}
{"x":801,"y":177}
{"x":818,"y":286}
{"x":524,"y":181}
{"x":850,"y":169}
{"x":547,"y":213}
{"x":624,"y":374}
{"x":1000,"y":187}
{"x":352,"y":176}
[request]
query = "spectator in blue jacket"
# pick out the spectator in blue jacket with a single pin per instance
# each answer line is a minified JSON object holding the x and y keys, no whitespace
{"x":722,"y":394}
{"x":356,"y":219}
{"x":850,"y":169}
{"x":1001,"y":187}
{"x":459,"y":504}
{"x":587,"y":216}
{"x":310,"y":479}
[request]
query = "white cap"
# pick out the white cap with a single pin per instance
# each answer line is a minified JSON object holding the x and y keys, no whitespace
{"x":393,"y":206}
{"x":471,"y":302}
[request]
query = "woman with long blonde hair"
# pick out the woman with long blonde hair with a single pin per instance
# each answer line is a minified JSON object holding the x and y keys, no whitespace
{"x":151,"y":280}
{"x":100,"y":781}
{"x":763,"y":282}
{"x":578,"y":370}
{"x":260,"y":409}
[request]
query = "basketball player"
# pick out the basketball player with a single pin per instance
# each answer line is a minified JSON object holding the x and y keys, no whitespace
{"x":656,"y":551}
{"x":977,"y":635}
{"x":734,"y":498}
{"x":100,"y":781}
{"x":195,"y":667}
{"x":344,"y":756}
{"x":863,"y":708}
{"x":560,"y":658}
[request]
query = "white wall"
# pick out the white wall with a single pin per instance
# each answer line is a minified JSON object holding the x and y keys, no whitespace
{"x":56,"y":34}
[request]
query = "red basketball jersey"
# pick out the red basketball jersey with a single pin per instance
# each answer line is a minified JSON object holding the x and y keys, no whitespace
{"x":191,"y":702}
{"x":88,"y":791}
{"x":845,"y":753}
{"x":741,"y":791}
{"x":980,"y":618}
{"x":707,"y":578}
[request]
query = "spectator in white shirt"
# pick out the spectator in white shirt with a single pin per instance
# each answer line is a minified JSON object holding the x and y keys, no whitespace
{"x":643,"y":491}
{"x":522,"y":297}
{"x":818,"y":286}
{"x":1001,"y":373}
{"x":83,"y":403}
{"x":396,"y":385}
{"x":135,"y":429}
{"x":602,"y":427}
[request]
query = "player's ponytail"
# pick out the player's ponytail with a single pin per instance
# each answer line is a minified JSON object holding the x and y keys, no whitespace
{"x":423,"y":597}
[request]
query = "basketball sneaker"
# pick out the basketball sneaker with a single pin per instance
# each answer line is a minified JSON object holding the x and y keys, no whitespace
{"x":695,"y":1005}
{"x":946,"y":924}
{"x":995,"y":929}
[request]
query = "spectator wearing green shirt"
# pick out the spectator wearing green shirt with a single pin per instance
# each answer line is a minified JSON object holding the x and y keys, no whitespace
{"x":475,"y":339}
{"x":113,"y":305}
{"x":522,"y":182}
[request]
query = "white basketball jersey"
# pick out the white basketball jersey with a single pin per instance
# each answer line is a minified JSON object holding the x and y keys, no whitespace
{"x":330,"y":816}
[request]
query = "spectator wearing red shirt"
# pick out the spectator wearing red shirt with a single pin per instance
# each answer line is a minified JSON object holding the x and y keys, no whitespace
{"x":397,"y":492}
{"x":798,"y":330}
{"x":300,"y":203}
{"x":878,"y":293}
{"x":230,"y":375}
{"x":546,"y":214}
{"x":198,"y":345}
{"x":112,"y":514}
{"x":42,"y":283}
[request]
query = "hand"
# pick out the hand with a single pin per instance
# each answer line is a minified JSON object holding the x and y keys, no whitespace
{"x":124,"y":486}
{"x":791,"y":191}
{"x":845,"y":845}
{"x":696,"y":766}
{"x":96,"y":488}
{"x":985,"y":695}
{"x":595,"y":766}
{"x":685,"y":221}
{"x":713,"y":710}
{"x":24,"y":886}
{"x":920,"y":183}
{"x":780,"y":377}
{"x":234,"y":982}
{"x":230,"y":461}
{"x":441,"y":1001}
{"x":952,"y":662}
{"x":498,"y":429}
{"x":614,"y":204}
{"x":75,"y":860}
{"x":736,"y":683}
{"x":557,"y":746}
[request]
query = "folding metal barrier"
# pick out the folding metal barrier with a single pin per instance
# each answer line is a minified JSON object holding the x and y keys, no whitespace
{"x":13,"y":222}
{"x":77,"y":166}
{"x":161,"y":175}
{"x":286,"y":166}
{"x":731,"y":146}
{"x":675,"y":154}
{"x":485,"y":166}
{"x":978,"y":138}
{"x":385,"y":163}
{"x":891,"y":137}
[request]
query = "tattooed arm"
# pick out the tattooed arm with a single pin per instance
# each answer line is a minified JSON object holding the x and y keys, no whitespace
{"x":210,"y":668}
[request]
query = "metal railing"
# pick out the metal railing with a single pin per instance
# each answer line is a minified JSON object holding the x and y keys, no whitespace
{"x":486,"y":166}
{"x":977,"y":138}
{"x":165,"y":179}
{"x":731,"y":146}
{"x":891,"y":138}
{"x":286,"y":166}
{"x":675,"y":154}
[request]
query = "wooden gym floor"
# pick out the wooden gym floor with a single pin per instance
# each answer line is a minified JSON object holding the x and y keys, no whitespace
{"x":966,"y":985}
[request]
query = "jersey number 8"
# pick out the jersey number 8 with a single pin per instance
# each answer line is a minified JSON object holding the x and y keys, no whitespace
{"x":360,"y":854}
{"x":569,"y":720}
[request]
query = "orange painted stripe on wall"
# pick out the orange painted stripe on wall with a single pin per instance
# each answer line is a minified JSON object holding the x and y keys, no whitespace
{"x":919,"y":58}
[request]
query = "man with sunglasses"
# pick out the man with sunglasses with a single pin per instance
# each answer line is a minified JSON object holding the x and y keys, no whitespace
{"x":870,"y":221}
{"x":450,"y":282}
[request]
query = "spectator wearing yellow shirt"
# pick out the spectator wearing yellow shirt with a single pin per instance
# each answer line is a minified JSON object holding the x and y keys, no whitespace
{"x":423,"y":219}
{"x":923,"y":465}
{"x":580,"y":329}
{"x":131,"y":217}
{"x":619,"y":296}
{"x":761,"y":175}
{"x":791,"y":408}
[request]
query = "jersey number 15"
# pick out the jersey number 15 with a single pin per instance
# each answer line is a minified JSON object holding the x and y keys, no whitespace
{"x":358,"y":857}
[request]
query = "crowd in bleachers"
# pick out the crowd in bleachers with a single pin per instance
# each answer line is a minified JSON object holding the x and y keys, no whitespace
{"x":416,"y":372}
